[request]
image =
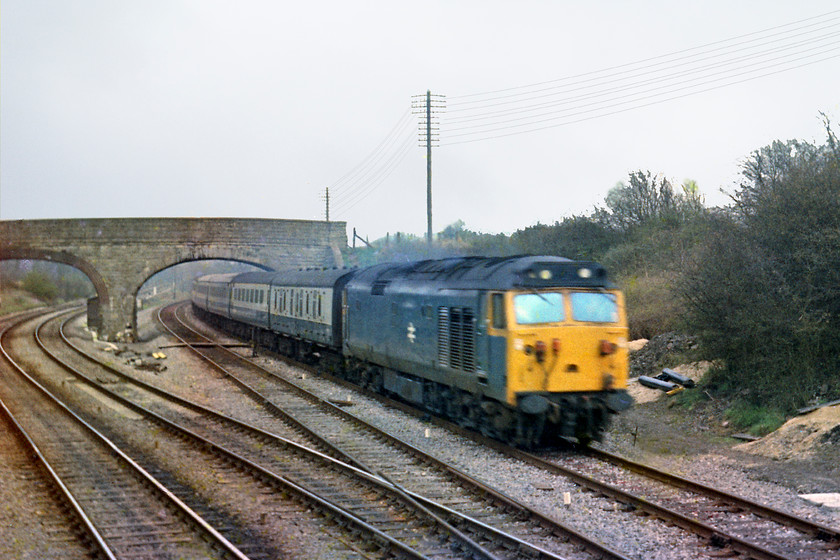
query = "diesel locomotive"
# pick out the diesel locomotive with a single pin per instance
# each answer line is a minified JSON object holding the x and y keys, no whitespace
{"x":527,"y":350}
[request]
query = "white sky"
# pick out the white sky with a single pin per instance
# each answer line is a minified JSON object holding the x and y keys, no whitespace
{"x":251,"y":108}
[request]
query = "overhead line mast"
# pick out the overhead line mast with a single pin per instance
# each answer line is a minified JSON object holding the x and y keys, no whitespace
{"x":422,"y":105}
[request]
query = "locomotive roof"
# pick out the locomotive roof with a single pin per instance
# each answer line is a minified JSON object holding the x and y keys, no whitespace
{"x":489,"y":273}
{"x":483,"y":273}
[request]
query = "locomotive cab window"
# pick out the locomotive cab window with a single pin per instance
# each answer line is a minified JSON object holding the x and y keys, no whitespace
{"x":538,"y":308}
{"x":592,"y":307}
{"x":497,"y":309}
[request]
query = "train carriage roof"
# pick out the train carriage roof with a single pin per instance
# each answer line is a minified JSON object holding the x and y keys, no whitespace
{"x":315,"y":278}
{"x":224,"y":278}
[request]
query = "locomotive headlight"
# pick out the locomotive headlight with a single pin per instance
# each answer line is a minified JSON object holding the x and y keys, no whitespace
{"x":545,"y":274}
{"x":585,"y":272}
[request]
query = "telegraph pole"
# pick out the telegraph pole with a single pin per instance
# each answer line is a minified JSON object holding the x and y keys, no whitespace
{"x":422,"y":105}
{"x":327,"y":199}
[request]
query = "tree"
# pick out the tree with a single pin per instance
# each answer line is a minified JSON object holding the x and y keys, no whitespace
{"x":764,"y":292}
{"x":39,"y":285}
{"x":649,"y":200}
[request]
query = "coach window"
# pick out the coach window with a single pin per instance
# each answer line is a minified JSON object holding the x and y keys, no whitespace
{"x":498,"y":310}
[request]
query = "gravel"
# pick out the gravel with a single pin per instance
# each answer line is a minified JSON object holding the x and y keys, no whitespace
{"x":653,"y":433}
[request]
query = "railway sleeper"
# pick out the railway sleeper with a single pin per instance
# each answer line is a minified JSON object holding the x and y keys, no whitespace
{"x":563,"y":418}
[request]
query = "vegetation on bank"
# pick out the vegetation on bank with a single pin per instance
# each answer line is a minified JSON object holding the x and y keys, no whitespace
{"x":757,"y":282}
{"x":28,"y":284}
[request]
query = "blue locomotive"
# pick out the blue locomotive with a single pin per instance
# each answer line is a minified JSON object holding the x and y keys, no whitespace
{"x":523,"y":349}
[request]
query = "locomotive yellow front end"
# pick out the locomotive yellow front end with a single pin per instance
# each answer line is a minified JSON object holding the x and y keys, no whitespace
{"x":567,"y":358}
{"x":566,"y":341}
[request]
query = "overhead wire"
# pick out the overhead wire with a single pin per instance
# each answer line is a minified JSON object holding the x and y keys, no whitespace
{"x":615,"y":112}
{"x":394,"y":135}
{"x":583,"y":101}
{"x":379,"y":165}
{"x":383,"y":172}
{"x":732,"y":62}
{"x":608,"y":80}
{"x":671,"y":54}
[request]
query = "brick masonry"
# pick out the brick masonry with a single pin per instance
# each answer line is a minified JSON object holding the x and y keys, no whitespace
{"x":120,"y":254}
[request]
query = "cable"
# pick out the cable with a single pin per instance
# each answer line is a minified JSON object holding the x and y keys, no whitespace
{"x":640,"y":94}
{"x":373,"y":157}
{"x":639,"y":106}
{"x":370,"y":175}
{"x":642,"y":61}
{"x":385,"y":172}
{"x":599,"y":93}
{"x":613,"y":88}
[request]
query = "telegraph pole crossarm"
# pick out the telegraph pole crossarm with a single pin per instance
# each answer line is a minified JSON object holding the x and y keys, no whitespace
{"x":425,"y":111}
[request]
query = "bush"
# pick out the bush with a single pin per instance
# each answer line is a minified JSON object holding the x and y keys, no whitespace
{"x":652,"y":307}
{"x":763,"y":292}
{"x":39,"y":285}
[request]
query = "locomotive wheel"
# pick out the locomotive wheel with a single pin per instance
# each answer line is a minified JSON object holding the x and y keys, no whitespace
{"x":529,"y":429}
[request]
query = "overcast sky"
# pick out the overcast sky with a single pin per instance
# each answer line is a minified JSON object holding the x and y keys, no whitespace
{"x":253,"y":108}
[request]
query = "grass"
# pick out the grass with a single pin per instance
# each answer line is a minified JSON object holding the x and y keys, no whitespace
{"x":14,"y":300}
{"x":757,"y":420}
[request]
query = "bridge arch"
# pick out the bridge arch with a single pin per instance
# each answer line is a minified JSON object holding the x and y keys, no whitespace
{"x":62,"y":257}
{"x":136,"y":289}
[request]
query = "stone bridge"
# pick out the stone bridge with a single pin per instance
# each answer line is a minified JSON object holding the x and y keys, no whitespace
{"x":120,"y":254}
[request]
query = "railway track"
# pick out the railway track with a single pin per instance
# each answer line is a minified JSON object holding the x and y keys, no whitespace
{"x":730,"y":524}
{"x":366,"y":508}
{"x":439,"y":487}
{"x":121,"y":510}
{"x":775,"y":530}
{"x":341,"y":483}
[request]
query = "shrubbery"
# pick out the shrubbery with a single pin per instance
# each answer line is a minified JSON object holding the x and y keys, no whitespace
{"x":39,"y":285}
{"x":764,"y":289}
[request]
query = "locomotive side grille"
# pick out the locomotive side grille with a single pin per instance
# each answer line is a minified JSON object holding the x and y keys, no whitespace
{"x":443,"y":336}
{"x":456,"y":338}
{"x":467,"y":340}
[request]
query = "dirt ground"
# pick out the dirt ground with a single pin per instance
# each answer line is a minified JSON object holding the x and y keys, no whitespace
{"x":803,"y":454}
